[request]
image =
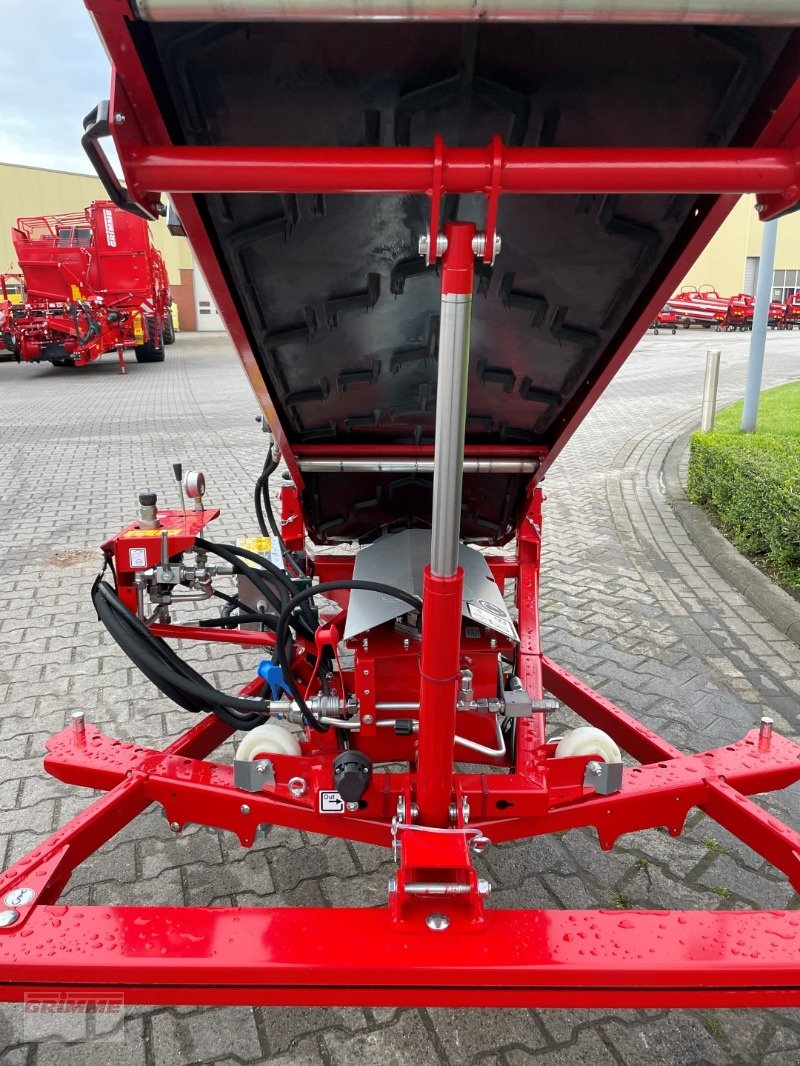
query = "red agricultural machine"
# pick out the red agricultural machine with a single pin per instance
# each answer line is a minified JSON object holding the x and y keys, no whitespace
{"x":94,"y":282}
{"x":665,"y":319}
{"x":792,"y":316}
{"x":705,"y":307}
{"x":345,"y":174}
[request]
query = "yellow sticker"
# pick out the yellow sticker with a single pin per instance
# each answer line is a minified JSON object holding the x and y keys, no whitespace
{"x":255,"y":544}
{"x":152,"y":532}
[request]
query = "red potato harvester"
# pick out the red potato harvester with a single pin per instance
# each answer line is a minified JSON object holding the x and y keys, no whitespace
{"x":94,"y":282}
{"x":345,"y":182}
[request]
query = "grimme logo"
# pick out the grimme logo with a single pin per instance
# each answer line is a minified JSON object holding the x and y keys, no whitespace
{"x":74,"y":1016}
{"x":111,"y":233}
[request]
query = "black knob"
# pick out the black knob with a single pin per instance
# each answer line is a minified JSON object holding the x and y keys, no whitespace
{"x":352,"y":772}
{"x":147,"y":499}
{"x":177,"y":470}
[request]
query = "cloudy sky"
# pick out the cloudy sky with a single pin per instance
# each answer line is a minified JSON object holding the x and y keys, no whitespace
{"x":53,"y":71}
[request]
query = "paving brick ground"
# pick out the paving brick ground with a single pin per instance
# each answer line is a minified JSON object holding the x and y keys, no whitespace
{"x":627,"y":603}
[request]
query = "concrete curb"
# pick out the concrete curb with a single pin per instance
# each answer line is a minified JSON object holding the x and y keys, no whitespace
{"x":779,"y":608}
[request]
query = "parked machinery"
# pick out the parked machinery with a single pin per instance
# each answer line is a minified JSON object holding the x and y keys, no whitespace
{"x":94,"y":282}
{"x":705,"y":307}
{"x":665,"y":319}
{"x":399,"y":693}
{"x":792,"y":316}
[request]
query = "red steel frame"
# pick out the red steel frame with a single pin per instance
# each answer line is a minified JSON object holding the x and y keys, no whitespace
{"x":392,"y":955}
{"x":485,"y":957}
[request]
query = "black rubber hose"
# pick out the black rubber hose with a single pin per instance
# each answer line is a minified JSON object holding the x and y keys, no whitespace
{"x":282,"y":630}
{"x":263,"y":505}
{"x":233,"y":554}
{"x":276,"y":597}
{"x":232,"y":620}
{"x":169,"y":673}
{"x":92,"y":330}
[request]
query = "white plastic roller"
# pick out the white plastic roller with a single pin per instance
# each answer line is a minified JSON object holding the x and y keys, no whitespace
{"x":586,"y":740}
{"x":267,"y":739}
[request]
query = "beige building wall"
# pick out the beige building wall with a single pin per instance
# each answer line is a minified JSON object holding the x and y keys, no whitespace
{"x":722,"y":262}
{"x":30,"y":191}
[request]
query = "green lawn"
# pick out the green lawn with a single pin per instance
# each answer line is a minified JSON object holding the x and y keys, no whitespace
{"x":778,"y":413}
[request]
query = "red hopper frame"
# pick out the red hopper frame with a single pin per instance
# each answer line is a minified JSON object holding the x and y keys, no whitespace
{"x":392,"y":955}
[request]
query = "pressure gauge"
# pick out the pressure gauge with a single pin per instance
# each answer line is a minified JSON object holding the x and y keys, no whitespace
{"x":194,"y":485}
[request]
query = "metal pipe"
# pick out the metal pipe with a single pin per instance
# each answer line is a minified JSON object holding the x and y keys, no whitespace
{"x":414,"y":466}
{"x":303,"y":169}
{"x":758,"y":338}
{"x":717,"y":12}
{"x":710,"y":392}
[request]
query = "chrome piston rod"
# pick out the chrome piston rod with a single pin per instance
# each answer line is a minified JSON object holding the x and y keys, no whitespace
{"x":451,"y":418}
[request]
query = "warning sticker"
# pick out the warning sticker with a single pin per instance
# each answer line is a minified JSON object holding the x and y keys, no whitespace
{"x":264,"y":546}
{"x":330,"y":803}
{"x":137,"y":558}
{"x":151,"y":533}
{"x":489,"y":615}
{"x":255,"y":544}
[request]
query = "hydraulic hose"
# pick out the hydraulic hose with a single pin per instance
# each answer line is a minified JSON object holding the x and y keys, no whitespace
{"x":263,"y":506}
{"x":169,"y":673}
{"x":93,"y":328}
{"x":282,"y":630}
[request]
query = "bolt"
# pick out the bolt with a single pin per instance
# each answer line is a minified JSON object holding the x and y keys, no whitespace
{"x":119,"y":118}
{"x":760,"y":208}
{"x":78,"y":724}
{"x":406,"y":644}
{"x":262,"y":766}
{"x":245,"y":809}
{"x":366,"y":693}
{"x":392,"y":884}
{"x":365,"y":646}
{"x":484,"y":887}
{"x":765,"y":734}
{"x":175,"y":827}
{"x":352,"y":805}
{"x":437,"y":922}
{"x":594,"y":768}
{"x":424,"y":244}
{"x":8,"y":918}
{"x":368,"y":719}
{"x":493,"y":642}
{"x":414,"y":812}
{"x":479,"y":243}
{"x":465,"y":810}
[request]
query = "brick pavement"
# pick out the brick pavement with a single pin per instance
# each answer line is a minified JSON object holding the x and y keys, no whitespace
{"x":627,"y":603}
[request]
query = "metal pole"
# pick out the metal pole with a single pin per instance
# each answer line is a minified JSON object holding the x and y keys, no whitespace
{"x":755,"y":363}
{"x":710,"y":392}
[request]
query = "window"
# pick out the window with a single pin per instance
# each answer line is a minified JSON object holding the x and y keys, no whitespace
{"x":784,"y":284}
